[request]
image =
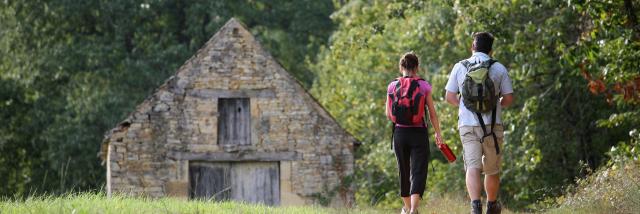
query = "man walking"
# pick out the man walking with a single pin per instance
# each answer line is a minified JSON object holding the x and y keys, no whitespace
{"x":485,"y":88}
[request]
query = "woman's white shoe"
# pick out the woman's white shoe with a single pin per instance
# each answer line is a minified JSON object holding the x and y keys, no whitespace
{"x":404,"y":211}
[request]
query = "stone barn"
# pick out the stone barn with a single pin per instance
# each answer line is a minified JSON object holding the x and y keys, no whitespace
{"x":231,"y":124}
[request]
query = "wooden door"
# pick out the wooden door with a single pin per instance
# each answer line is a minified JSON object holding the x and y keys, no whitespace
{"x":253,"y":182}
{"x":256,"y":182}
{"x":234,"y":121}
{"x":210,"y":181}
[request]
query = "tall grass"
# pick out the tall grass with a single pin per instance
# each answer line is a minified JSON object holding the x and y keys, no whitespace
{"x":614,"y":188}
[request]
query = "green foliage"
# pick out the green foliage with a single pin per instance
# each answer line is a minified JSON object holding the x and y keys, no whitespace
{"x":552,"y":128}
{"x":69,"y":71}
{"x":608,"y":54}
{"x":628,"y":151}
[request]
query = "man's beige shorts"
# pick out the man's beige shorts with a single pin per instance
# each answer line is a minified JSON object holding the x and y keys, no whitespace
{"x":481,"y":155}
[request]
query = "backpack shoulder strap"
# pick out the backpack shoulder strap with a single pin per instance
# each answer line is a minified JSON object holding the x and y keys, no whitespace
{"x":420,"y":79}
{"x":397,"y":80}
{"x":412,"y":86}
{"x":398,"y":85}
{"x":493,"y":134}
{"x":491,"y":61}
{"x":465,"y":63}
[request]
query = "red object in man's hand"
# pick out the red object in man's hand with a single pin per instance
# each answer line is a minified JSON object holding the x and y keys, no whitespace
{"x":447,"y":152}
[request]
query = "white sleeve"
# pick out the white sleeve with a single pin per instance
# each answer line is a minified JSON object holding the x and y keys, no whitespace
{"x":452,"y":83}
{"x":505,"y":83}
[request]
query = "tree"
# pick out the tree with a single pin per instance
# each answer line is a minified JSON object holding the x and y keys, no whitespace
{"x":71,"y":70}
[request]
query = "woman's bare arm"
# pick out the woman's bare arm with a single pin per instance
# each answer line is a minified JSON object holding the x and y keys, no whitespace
{"x":433,"y":117}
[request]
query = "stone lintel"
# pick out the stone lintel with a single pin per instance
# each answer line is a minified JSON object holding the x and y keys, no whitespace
{"x":221,"y":93}
{"x":240,"y":156}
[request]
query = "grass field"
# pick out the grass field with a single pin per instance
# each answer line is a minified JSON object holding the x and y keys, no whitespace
{"x":615,"y":189}
{"x":99,"y":203}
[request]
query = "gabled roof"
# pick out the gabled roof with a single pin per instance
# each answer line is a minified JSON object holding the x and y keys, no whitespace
{"x":170,"y":84}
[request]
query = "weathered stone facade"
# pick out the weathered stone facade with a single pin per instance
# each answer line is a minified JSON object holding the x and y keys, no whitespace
{"x":150,"y":152}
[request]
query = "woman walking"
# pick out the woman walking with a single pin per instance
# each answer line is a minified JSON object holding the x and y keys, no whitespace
{"x":407,"y":98}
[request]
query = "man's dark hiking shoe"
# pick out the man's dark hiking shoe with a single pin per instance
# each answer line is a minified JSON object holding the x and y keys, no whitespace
{"x":476,"y":207}
{"x":494,"y":207}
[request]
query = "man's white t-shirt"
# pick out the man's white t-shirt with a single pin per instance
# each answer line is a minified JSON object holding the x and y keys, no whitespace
{"x":502,"y":82}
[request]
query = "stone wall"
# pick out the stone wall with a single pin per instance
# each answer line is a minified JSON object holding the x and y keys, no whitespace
{"x":148,"y":153}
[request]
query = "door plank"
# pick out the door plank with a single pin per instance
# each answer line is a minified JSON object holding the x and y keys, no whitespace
{"x":257,"y":182}
{"x":210,"y":181}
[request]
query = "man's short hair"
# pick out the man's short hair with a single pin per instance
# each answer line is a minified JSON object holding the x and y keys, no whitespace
{"x":483,"y":41}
